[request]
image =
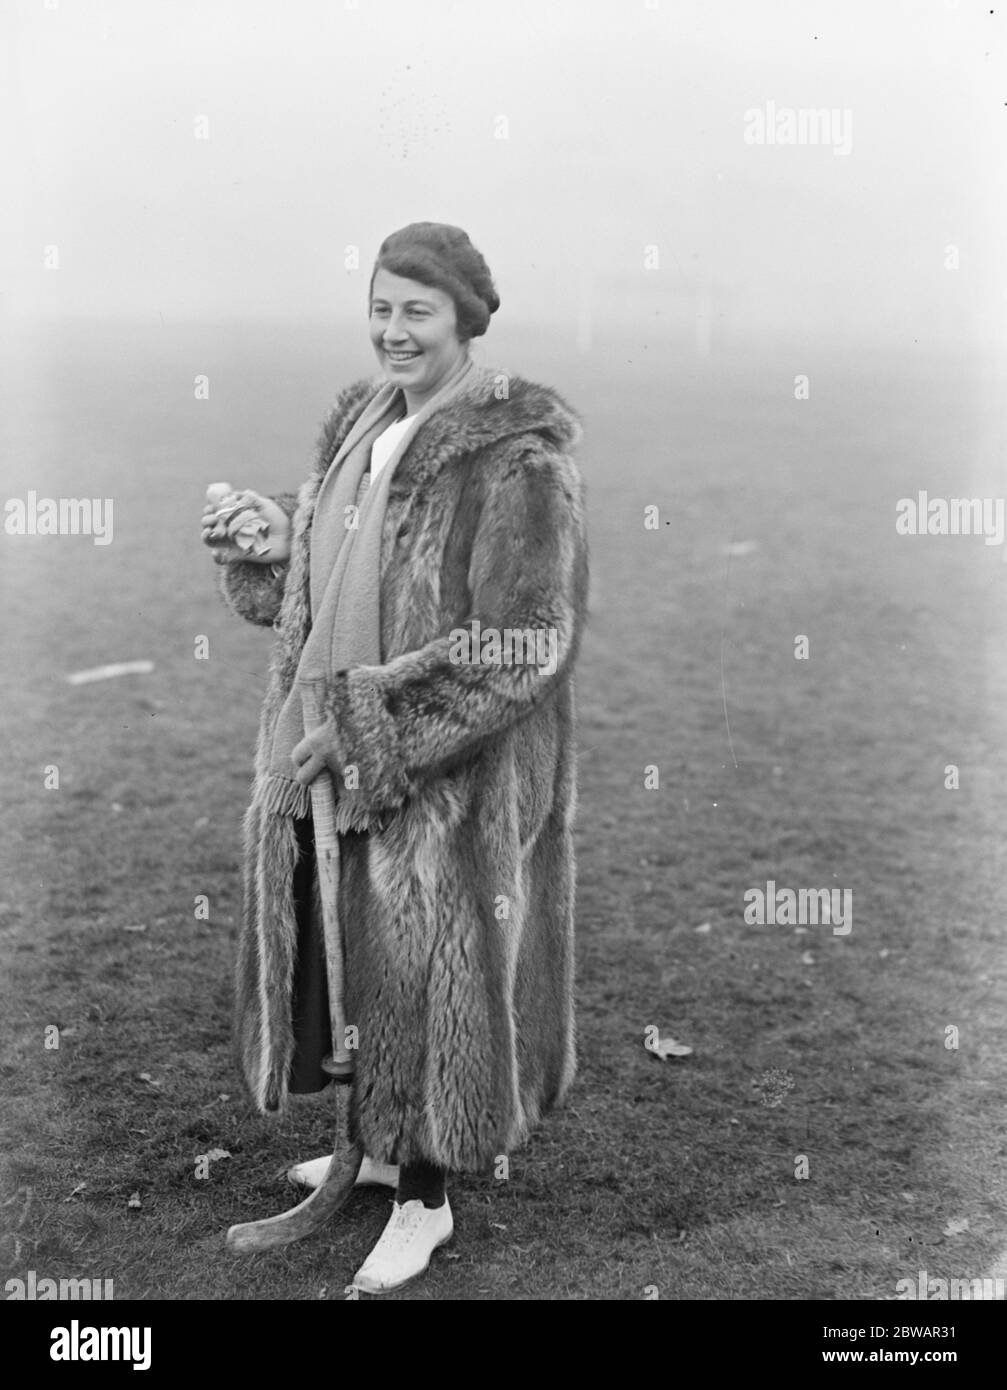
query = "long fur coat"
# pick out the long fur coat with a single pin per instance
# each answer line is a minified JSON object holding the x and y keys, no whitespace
{"x":458,"y":913}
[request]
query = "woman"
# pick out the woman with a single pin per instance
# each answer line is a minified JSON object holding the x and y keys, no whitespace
{"x":441,"y":498}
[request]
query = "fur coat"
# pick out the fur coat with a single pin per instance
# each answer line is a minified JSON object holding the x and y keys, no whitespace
{"x":458,"y":912}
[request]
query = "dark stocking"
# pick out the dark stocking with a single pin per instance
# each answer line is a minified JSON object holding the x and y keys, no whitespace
{"x":421,"y":1180}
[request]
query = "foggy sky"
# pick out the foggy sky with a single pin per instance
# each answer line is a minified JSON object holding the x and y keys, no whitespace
{"x":332,"y":125}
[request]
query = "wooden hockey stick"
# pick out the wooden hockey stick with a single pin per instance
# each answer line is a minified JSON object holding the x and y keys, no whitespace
{"x":337,"y":1184}
{"x":323,"y":815}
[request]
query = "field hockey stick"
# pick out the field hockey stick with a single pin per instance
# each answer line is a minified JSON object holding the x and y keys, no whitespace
{"x":323,"y":814}
{"x":337,"y":1184}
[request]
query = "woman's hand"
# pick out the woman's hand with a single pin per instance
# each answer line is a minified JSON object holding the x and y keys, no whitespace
{"x":313,"y":754}
{"x":244,"y":526}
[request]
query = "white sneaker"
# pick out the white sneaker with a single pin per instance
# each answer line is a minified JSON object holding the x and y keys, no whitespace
{"x":371,"y":1174}
{"x":412,"y":1235}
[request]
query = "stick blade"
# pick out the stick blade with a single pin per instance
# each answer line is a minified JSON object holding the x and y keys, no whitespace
{"x":310,"y":1215}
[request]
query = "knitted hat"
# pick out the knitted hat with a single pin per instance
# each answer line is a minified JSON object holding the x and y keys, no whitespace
{"x":437,"y":254}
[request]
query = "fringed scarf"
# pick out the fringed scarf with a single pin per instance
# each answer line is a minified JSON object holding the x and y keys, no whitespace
{"x":344,"y":579}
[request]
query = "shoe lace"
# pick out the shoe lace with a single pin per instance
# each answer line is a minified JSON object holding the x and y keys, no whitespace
{"x":404,"y":1224}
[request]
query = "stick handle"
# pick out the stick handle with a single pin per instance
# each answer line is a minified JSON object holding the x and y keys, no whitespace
{"x":323,"y":814}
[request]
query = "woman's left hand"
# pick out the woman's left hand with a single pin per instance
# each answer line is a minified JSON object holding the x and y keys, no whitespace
{"x":311,"y":756}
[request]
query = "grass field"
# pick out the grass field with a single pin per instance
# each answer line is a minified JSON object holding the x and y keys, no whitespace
{"x":777,"y":519}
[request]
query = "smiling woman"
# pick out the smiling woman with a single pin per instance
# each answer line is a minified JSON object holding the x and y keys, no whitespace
{"x":414,"y":335}
{"x":431,"y":293}
{"x":444,"y":497}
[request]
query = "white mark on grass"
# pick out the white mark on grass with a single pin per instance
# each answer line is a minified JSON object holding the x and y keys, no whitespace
{"x":663,"y":1047}
{"x":104,"y":673}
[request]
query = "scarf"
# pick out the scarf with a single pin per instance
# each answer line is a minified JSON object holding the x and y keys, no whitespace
{"x":344,"y":579}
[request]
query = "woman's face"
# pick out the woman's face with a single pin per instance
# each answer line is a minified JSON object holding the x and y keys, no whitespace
{"x":414,"y":333}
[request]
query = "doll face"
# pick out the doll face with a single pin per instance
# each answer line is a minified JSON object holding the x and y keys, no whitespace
{"x":414,"y":333}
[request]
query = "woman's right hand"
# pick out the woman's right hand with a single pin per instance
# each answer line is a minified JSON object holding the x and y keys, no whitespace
{"x":220,"y":536}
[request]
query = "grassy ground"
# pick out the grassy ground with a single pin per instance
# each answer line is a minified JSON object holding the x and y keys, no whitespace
{"x":678,"y":1174}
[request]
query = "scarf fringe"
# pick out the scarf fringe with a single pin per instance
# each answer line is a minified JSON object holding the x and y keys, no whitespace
{"x":282,"y":797}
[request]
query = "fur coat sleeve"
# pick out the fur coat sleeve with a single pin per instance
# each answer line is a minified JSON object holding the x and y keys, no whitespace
{"x":407,"y":719}
{"x":251,"y":590}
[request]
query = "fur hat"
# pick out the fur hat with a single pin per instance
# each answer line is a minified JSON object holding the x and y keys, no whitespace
{"x":437,"y":254}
